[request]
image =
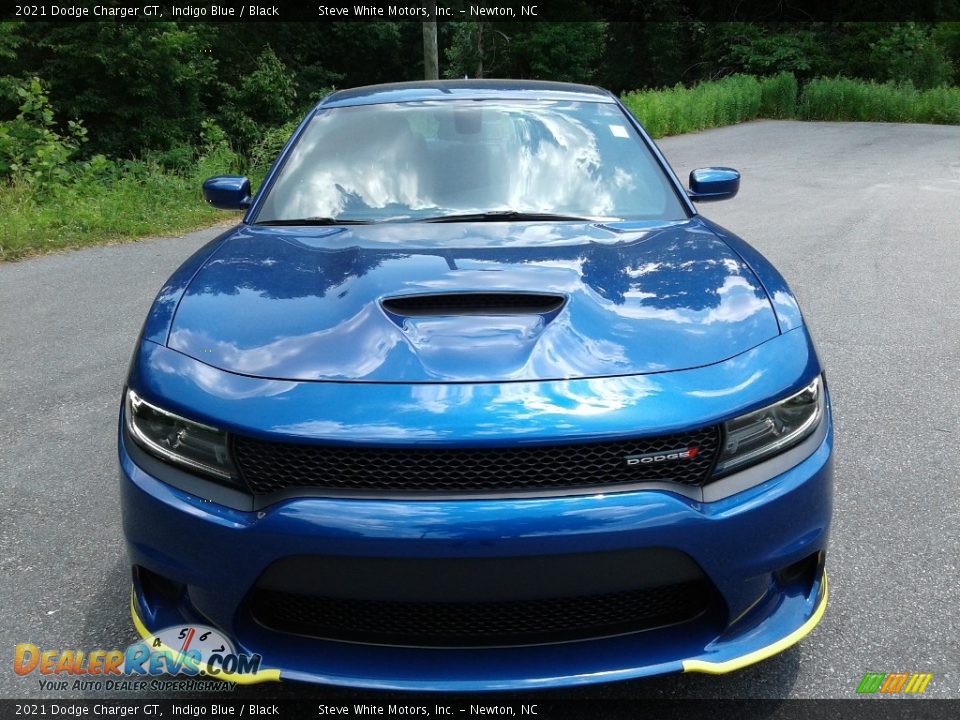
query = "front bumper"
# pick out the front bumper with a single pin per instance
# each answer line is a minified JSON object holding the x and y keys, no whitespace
{"x":742,"y":543}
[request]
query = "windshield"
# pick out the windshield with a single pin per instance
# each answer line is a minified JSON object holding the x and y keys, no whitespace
{"x":429,"y":160}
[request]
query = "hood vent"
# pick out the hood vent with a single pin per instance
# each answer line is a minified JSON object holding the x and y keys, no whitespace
{"x":470,"y":303}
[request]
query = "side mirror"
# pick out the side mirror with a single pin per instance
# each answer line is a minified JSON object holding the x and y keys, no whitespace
{"x":228,"y":192}
{"x":713,"y":183}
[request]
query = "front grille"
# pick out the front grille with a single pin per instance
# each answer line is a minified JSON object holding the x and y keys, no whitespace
{"x":268,"y":467}
{"x":475,"y":624}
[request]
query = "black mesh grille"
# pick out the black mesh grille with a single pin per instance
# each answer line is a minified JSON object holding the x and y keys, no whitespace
{"x":268,"y":467}
{"x":474,"y":304}
{"x":514,"y":622}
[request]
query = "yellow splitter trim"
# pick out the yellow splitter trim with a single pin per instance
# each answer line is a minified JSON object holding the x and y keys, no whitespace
{"x":719,"y":668}
{"x":702,"y":666}
{"x":259,"y":677}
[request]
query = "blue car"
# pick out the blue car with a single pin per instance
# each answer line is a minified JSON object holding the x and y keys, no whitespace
{"x":473,"y":398}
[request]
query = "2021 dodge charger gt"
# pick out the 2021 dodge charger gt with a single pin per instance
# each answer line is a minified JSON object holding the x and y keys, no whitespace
{"x":473,"y":398}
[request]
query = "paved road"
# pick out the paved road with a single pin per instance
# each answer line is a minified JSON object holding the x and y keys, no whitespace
{"x":862,"y":220}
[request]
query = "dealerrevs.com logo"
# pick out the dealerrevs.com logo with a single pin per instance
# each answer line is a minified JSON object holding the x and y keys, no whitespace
{"x":197,"y":655}
{"x":662,"y":457}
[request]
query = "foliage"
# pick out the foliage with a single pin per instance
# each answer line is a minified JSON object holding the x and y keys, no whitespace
{"x":738,"y":98}
{"x":53,"y":202}
{"x":364,"y":54}
{"x":264,"y":98}
{"x":468,"y":51}
{"x":907,"y":53}
{"x":148,"y":87}
{"x":778,"y":96}
{"x":713,"y":104}
{"x":262,"y":154}
{"x":138,"y":86}
{"x":107,"y":201}
{"x":567,"y":51}
{"x":946,"y":36}
{"x":271,"y":143}
{"x":764,"y":49}
{"x":651,"y":54}
{"x":890,"y":52}
{"x":31,"y":148}
{"x":845,"y":99}
{"x":10,"y":40}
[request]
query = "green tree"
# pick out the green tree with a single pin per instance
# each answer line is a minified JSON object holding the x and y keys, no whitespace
{"x":467,"y":52}
{"x":138,"y":86}
{"x":567,"y":51}
{"x":765,"y":49}
{"x":264,"y":98}
{"x":907,"y":52}
{"x":946,"y":36}
{"x":10,"y":40}
{"x":651,"y":55}
{"x":889,"y":51}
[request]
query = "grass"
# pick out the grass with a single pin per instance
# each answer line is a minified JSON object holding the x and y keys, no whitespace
{"x":844,"y":99}
{"x":135,"y":200}
{"x":739,"y":98}
{"x":681,"y":110}
{"x":778,"y":96}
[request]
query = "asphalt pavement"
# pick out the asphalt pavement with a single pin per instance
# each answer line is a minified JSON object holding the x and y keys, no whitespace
{"x":862,"y":220}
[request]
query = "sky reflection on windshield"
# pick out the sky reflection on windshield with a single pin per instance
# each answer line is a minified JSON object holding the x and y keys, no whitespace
{"x":426,"y":158}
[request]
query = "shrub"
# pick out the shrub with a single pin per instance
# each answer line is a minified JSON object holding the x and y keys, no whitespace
{"x":264,"y":99}
{"x":265,"y":152}
{"x":139,"y":86}
{"x":906,"y":52}
{"x":106,"y":201}
{"x":30,"y":145}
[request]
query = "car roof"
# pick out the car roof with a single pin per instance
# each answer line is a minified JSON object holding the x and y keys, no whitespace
{"x":465,"y":90}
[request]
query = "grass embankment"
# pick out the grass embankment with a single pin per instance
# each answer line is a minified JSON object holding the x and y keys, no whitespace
{"x":126,"y":200}
{"x":129,"y":201}
{"x":739,"y":98}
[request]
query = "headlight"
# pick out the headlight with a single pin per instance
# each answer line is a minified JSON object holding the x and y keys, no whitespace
{"x":778,"y":427}
{"x":173,"y":438}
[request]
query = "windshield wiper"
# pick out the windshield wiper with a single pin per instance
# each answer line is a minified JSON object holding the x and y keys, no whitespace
{"x":314,"y":221}
{"x":499,"y":215}
{"x":489,"y":216}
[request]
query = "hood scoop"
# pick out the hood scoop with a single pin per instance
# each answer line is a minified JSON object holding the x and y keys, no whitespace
{"x":473,"y":303}
{"x":456,"y":335}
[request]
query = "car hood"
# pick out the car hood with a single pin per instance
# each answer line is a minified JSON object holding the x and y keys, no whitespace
{"x":618,"y":299}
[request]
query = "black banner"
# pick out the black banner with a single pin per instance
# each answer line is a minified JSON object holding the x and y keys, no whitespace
{"x":477,"y":10}
{"x":544,"y":707}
